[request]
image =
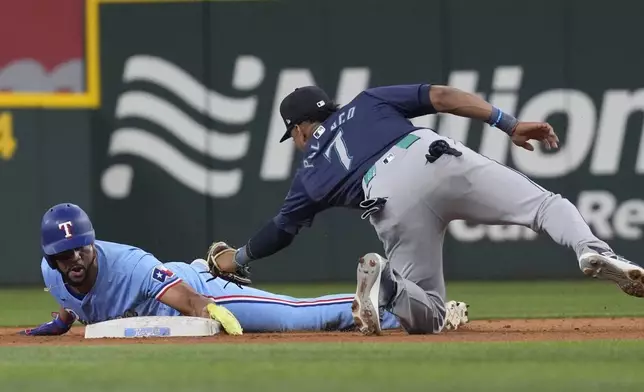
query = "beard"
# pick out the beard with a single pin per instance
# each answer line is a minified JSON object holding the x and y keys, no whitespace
{"x":71,"y":279}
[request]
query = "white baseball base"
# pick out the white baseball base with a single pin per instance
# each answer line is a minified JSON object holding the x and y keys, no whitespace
{"x":153,"y":326}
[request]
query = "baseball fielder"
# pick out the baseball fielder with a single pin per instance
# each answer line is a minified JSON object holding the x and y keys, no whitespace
{"x":410,"y":183}
{"x":95,"y":281}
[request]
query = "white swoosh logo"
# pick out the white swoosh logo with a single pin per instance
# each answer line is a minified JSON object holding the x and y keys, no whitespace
{"x":226,"y":147}
{"x":116,"y":181}
{"x":211,"y":103}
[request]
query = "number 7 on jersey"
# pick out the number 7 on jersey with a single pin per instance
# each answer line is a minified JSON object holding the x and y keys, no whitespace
{"x":340,"y":147}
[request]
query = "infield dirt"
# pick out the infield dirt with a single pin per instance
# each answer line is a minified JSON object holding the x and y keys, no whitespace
{"x":477,"y":331}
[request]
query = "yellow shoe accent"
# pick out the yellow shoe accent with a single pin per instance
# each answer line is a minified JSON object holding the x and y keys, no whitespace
{"x":227,"y":320}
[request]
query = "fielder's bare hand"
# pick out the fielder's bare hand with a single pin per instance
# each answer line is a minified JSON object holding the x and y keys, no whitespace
{"x":540,"y":131}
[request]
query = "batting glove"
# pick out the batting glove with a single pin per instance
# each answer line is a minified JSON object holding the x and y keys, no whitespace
{"x":227,"y":320}
{"x":52,"y":328}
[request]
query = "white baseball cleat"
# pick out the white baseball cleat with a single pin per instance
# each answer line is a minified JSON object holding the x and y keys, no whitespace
{"x":456,"y":314}
{"x":605,"y":264}
{"x":365,"y":304}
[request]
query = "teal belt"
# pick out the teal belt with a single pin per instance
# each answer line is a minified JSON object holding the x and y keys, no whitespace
{"x":403,"y":143}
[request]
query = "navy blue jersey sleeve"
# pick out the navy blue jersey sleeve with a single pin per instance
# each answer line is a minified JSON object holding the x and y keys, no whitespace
{"x":412,"y":100}
{"x":298,"y":209}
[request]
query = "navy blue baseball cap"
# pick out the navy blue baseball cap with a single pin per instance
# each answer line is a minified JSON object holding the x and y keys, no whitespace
{"x":308,"y":103}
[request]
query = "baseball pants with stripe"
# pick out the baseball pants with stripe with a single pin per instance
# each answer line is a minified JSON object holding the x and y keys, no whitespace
{"x":263,"y":311}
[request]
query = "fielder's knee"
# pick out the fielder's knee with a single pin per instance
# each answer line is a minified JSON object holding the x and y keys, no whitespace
{"x":552,"y":200}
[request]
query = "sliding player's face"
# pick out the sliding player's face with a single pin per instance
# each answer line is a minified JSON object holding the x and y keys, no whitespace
{"x":74,"y":264}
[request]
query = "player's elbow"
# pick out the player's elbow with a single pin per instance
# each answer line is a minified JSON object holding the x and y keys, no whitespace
{"x":443,"y":98}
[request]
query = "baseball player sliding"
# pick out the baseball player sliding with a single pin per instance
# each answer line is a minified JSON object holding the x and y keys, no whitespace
{"x":95,"y":281}
{"x":410,"y":183}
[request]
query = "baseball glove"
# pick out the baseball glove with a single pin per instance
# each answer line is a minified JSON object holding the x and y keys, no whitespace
{"x":240,"y":276}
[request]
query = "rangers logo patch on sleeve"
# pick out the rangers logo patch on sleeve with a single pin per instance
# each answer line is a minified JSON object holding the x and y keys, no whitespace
{"x":161,"y":274}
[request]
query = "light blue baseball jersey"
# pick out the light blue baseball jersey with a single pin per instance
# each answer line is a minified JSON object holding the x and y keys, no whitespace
{"x":128,"y":283}
{"x":131,"y":281}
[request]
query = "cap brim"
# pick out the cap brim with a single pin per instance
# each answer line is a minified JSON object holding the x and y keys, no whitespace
{"x":286,"y":136}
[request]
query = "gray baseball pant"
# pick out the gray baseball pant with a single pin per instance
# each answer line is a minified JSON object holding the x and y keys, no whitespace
{"x":423,"y":197}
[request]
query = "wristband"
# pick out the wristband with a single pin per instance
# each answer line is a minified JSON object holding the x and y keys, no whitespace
{"x":502,"y":121}
{"x":241,"y":256}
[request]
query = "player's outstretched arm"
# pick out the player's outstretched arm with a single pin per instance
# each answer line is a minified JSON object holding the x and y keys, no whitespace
{"x":451,"y":100}
{"x":60,"y":325}
{"x":446,"y":99}
{"x":184,"y":299}
{"x":297,"y":211}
